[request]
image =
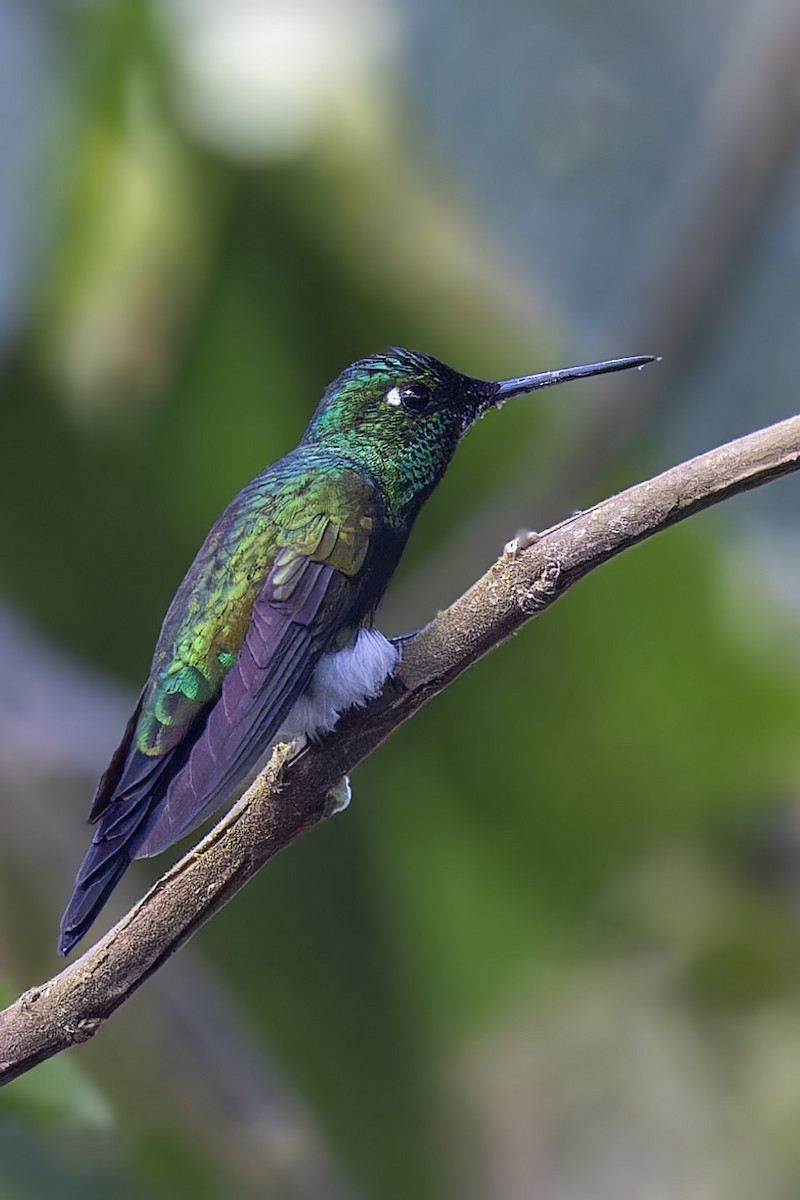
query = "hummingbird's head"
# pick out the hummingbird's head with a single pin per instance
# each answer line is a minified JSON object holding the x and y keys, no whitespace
{"x":402,"y":414}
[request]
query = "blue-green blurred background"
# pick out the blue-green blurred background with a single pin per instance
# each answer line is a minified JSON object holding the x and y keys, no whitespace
{"x":553,"y":948}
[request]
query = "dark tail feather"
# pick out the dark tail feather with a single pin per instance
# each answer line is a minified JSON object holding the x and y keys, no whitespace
{"x":119,"y":832}
{"x":107,"y":787}
{"x":101,"y":871}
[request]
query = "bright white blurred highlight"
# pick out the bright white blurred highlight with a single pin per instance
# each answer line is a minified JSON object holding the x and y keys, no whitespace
{"x":264,"y":78}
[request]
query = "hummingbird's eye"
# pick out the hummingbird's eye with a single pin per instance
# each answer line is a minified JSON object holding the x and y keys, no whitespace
{"x":413,"y":397}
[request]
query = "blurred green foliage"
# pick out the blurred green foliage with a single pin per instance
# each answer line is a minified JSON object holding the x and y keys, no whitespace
{"x":191,"y":312}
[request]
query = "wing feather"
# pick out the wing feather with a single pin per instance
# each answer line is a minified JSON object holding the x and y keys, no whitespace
{"x":273,"y":669}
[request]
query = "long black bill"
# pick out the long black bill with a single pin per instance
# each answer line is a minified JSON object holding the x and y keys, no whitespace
{"x":530,"y":383}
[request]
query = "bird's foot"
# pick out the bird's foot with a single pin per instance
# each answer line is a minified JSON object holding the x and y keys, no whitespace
{"x":299,"y":744}
{"x":338,"y":797}
{"x":402,"y":638}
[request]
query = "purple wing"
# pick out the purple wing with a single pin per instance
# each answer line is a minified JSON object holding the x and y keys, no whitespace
{"x":159,"y":799}
{"x":271,"y":671}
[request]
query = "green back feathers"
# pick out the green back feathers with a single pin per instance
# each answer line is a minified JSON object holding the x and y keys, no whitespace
{"x":278,"y":525}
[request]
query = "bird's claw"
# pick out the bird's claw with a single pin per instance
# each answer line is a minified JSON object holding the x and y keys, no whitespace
{"x":338,"y":797}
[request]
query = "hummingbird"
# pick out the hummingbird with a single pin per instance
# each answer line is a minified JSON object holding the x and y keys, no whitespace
{"x":271,"y":636}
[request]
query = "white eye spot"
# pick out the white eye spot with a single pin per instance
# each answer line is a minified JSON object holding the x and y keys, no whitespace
{"x":394,"y":397}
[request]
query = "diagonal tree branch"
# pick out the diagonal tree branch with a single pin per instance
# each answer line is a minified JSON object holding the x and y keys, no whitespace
{"x":289,"y":796}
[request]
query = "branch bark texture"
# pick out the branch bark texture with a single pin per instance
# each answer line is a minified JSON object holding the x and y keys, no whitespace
{"x":289,"y":796}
